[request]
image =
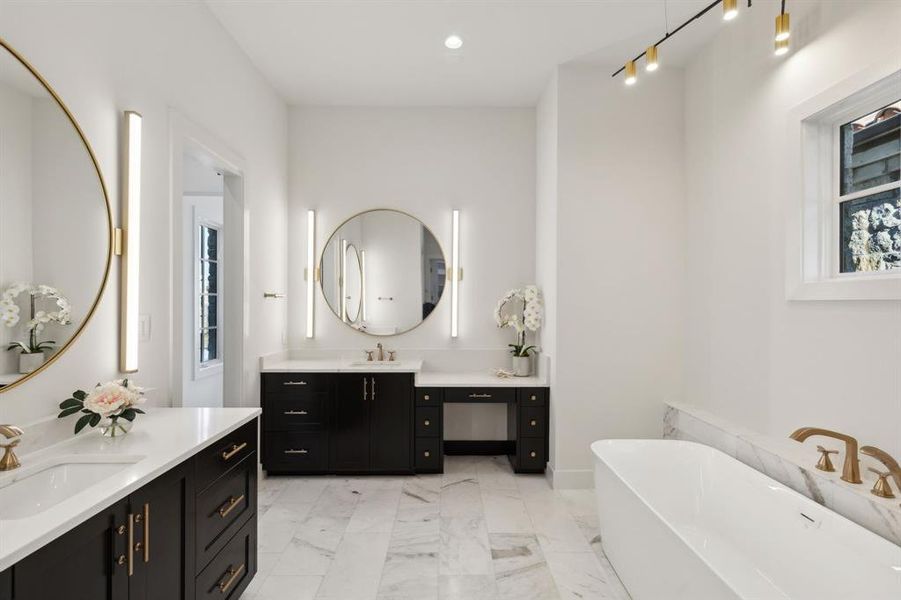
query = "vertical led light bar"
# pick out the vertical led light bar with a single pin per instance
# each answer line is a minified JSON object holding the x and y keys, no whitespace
{"x":130,"y":245}
{"x":455,"y":275}
{"x":311,"y":268}
{"x":343,"y":286}
{"x":363,"y":283}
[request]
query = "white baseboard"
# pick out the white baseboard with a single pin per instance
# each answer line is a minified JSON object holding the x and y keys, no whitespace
{"x":570,"y":479}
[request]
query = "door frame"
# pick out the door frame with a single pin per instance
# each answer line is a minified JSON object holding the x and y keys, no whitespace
{"x":186,"y":136}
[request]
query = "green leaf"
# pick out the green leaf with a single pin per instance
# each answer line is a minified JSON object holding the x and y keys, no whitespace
{"x":79,"y":395}
{"x":83,"y":422}
{"x":139,"y":411}
{"x":128,"y":414}
{"x":71,"y":403}
{"x":68,"y":411}
{"x":95,"y":418}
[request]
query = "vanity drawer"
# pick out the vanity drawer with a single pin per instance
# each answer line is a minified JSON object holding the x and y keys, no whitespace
{"x":290,"y":451}
{"x":471,"y":395}
{"x":429,"y":458}
{"x":227,"y":575}
{"x":292,"y":414}
{"x":212,"y":462}
{"x":531,"y":454}
{"x":532,"y":421}
{"x":428,"y":421}
{"x":223,"y":507}
{"x":429,"y":396}
{"x":294,"y":385}
{"x":533,"y":396}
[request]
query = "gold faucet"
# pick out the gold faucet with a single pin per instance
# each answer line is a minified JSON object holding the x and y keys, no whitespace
{"x":381,"y":351}
{"x":851,"y":468}
{"x":885,"y":458}
{"x":14,"y":435}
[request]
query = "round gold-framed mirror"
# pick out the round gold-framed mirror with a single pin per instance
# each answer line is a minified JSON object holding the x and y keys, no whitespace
{"x":398,"y":264}
{"x":56,"y":236}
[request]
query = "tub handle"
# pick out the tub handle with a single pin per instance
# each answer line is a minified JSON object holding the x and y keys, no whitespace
{"x":825,"y":463}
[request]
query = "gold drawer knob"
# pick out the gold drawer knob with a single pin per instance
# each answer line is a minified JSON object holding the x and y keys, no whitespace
{"x":534,"y":397}
{"x":426,"y":422}
{"x":426,"y":397}
{"x":533,"y":422}
{"x":121,"y":560}
{"x":532,"y":454}
{"x":427,"y":454}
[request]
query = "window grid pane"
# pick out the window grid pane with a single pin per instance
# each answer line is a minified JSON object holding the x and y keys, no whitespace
{"x":871,"y":150}
{"x":870,"y":233}
{"x":208,"y":298}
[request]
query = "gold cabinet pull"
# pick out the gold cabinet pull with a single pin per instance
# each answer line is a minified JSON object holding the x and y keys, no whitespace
{"x":147,"y":533}
{"x":228,"y":454}
{"x":296,"y":412}
{"x":294,"y":382}
{"x":229,"y":578}
{"x":480,"y":395}
{"x":230,"y":505}
{"x":365,"y":388}
{"x":130,"y":552}
{"x":373,"y":388}
{"x":301,"y":451}
{"x":121,"y":560}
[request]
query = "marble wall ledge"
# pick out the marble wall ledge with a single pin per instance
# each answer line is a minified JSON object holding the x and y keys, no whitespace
{"x":791,"y":464}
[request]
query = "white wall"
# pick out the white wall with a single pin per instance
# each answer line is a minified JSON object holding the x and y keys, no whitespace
{"x":103,"y":58}
{"x":751,"y":355}
{"x":425,"y":161}
{"x":619,"y":258}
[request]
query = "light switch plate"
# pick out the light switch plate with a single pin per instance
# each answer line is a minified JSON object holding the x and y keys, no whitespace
{"x":144,"y":328}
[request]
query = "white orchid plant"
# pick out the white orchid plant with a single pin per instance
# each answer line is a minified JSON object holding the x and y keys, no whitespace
{"x":10,"y":314}
{"x":521,"y":309}
{"x":117,"y":399}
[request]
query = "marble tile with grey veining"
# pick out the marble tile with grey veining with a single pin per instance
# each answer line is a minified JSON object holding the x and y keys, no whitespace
{"x":422,"y":489}
{"x":555,"y":526}
{"x":409,"y":575}
{"x":357,"y":568}
{"x":276,"y":527}
{"x":581,"y":575}
{"x":461,"y":498}
{"x":505,"y":512}
{"x":520,"y":569}
{"x":337,"y":500}
{"x":375,"y":511}
{"x":495,"y":473}
{"x":312,"y":547}
{"x":417,"y":529}
{"x":464,"y":548}
{"x":467,"y":587}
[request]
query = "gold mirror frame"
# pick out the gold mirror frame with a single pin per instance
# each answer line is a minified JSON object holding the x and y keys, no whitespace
{"x":109,"y":219}
{"x":359,"y":313}
{"x":322,"y":257}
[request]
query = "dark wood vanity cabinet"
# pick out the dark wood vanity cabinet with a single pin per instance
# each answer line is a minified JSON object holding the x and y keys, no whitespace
{"x":190,"y":533}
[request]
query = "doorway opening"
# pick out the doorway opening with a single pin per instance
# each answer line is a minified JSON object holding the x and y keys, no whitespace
{"x":209,"y":254}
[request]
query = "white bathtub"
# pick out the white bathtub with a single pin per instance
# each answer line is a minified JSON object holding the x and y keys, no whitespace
{"x":681,"y":520}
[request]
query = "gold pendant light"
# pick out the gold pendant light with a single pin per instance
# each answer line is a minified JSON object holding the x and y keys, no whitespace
{"x":650,"y":55}
{"x":783,"y":27}
{"x":730,"y":9}
{"x":782,"y":47}
{"x":631,"y":73}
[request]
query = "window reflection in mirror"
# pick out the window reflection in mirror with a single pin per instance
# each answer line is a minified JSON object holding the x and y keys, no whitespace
{"x":383,"y":272}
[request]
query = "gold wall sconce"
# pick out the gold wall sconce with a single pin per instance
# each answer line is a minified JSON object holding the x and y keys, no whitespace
{"x":128,"y":244}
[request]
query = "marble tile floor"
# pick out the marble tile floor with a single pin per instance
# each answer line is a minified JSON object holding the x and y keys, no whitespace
{"x":476,"y":532}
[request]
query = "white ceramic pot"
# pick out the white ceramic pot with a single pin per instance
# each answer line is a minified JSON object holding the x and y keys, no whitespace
{"x":30,"y":362}
{"x":522,"y":366}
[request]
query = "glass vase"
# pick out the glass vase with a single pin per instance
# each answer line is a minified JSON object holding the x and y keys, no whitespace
{"x":114,"y":426}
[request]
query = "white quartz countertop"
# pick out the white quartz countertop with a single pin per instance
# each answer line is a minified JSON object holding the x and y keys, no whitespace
{"x":422,"y":376}
{"x":474,"y":379}
{"x":160,"y":440}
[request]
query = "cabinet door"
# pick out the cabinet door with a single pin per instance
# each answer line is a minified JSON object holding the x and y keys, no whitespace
{"x":87,"y":563}
{"x":349,"y":435}
{"x":163,"y":513}
{"x":391,"y":422}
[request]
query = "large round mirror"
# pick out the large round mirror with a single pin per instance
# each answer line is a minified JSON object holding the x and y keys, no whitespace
{"x":55,"y":224}
{"x":382,"y":272}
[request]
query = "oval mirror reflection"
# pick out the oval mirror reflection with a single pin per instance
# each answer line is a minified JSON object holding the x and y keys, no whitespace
{"x":54,"y":225}
{"x":382,"y":272}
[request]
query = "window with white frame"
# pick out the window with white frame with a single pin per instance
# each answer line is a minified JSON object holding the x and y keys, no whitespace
{"x":868,"y":195}
{"x":844,"y":239}
{"x":208,"y":303}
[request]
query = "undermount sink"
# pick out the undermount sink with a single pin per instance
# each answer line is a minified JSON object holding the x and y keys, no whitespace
{"x":381,"y":364}
{"x":31,"y":490}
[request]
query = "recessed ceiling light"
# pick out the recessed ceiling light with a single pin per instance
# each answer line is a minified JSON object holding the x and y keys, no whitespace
{"x":453,"y":42}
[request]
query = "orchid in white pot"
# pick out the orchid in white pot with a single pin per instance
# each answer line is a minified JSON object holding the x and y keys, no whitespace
{"x":112,"y":406}
{"x":521,"y":309}
{"x":31,"y":351}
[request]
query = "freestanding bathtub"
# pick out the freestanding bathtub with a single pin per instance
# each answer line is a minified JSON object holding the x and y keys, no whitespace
{"x":681,"y":520}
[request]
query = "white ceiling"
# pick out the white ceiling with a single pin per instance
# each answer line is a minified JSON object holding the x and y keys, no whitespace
{"x":391,"y":52}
